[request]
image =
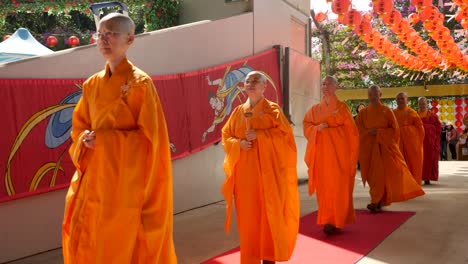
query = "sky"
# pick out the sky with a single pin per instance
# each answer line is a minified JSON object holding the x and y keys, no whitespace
{"x":322,"y":6}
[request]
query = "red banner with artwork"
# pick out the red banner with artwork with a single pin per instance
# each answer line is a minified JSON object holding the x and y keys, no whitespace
{"x":35,"y":137}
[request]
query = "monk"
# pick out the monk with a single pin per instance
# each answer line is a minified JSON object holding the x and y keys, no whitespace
{"x":260,"y":167}
{"x":432,"y":128}
{"x":382,"y":165}
{"x":119,"y":204}
{"x":331,"y":156}
{"x":411,"y":136}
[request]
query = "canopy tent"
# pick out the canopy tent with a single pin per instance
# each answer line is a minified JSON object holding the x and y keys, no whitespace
{"x":21,"y":45}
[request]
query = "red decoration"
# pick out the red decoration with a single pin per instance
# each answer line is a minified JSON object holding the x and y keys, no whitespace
{"x":435,"y":110}
{"x":92,"y":40}
{"x":365,"y":28}
{"x":459,"y":116}
{"x":414,"y":18}
{"x":51,"y":41}
{"x":434,"y":103}
{"x":458,"y":123}
{"x":352,"y":18}
{"x":458,"y":109}
{"x":367,"y":17}
{"x":466,"y":109}
{"x":392,"y":18}
{"x":340,"y":6}
{"x":6,"y":37}
{"x":429,"y":14}
{"x":320,"y":17}
{"x":420,"y":4}
{"x":458,"y":101}
{"x":466,"y":101}
{"x":382,"y":7}
{"x":73,"y":41}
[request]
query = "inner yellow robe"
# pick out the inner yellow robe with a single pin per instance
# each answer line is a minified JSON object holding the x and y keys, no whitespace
{"x":331,"y":157}
{"x":263,"y":181}
{"x":382,"y":165}
{"x":119,"y":205}
{"x":411,"y":140}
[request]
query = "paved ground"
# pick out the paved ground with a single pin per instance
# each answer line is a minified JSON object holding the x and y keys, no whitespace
{"x":437,"y":234}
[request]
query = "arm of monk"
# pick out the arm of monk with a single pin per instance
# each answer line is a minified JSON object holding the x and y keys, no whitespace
{"x":391,"y":133}
{"x":417,"y":122}
{"x":80,"y":123}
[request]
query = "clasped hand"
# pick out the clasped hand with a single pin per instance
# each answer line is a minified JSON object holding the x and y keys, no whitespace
{"x":89,"y":139}
{"x":250,"y":135}
{"x":322,"y":126}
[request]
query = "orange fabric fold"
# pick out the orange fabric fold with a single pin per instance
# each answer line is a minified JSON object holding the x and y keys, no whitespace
{"x":411,"y":140}
{"x":331,"y":157}
{"x":263,"y":182}
{"x":119,"y":205}
{"x":382,"y":164}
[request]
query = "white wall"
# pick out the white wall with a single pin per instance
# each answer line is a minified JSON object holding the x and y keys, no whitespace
{"x":33,"y":224}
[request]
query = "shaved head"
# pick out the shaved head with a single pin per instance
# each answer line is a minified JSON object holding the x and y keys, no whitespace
{"x":373,"y":94}
{"x":118,"y":23}
{"x":402,"y":100}
{"x":422,"y":104}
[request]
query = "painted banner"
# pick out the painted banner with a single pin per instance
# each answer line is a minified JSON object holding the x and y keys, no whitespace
{"x":35,"y":136}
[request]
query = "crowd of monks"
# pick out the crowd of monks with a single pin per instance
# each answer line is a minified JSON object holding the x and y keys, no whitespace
{"x":119,"y":205}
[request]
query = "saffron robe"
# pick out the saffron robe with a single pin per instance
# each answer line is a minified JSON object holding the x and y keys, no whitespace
{"x":432,"y":129}
{"x":411,"y":140}
{"x":119,"y":204}
{"x":263,"y":181}
{"x":331,"y":157}
{"x":382,"y":165}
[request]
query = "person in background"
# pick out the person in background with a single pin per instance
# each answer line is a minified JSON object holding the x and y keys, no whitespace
{"x":443,"y":142}
{"x":452,"y":137}
{"x":432,"y":128}
{"x":331,"y":157}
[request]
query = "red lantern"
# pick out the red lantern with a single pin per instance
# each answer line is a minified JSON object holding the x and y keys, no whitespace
{"x":92,"y":40}
{"x":419,"y":4}
{"x":352,"y":18}
{"x":459,"y":116}
{"x":382,"y":7}
{"x":458,"y":101}
{"x":466,"y":109}
{"x":458,"y":109}
{"x":51,"y":41}
{"x":73,"y":41}
{"x":429,"y":14}
{"x":434,"y":103}
{"x":340,"y":6}
{"x":466,"y":101}
{"x":461,"y":14}
{"x":6,"y":37}
{"x":392,"y":18}
{"x":458,"y":123}
{"x":367,"y":17}
{"x":364,"y":28}
{"x":320,"y":17}
{"x":414,"y":18}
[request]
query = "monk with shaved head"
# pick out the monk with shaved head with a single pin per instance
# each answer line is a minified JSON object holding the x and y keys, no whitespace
{"x":383,"y":167}
{"x":411,"y":136}
{"x":331,"y":156}
{"x":119,"y":205}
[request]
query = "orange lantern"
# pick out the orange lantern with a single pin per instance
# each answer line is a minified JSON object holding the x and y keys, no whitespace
{"x":320,"y":17}
{"x":367,"y":17}
{"x":352,"y":18}
{"x":413,"y":18}
{"x":382,"y":7}
{"x":401,"y":28}
{"x":461,"y":14}
{"x":392,"y":18}
{"x":51,"y":41}
{"x":429,"y":14}
{"x":364,"y":28}
{"x":420,"y":4}
{"x":73,"y":41}
{"x":340,"y":6}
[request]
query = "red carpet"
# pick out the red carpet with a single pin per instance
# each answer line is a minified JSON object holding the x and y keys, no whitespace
{"x":347,"y":246}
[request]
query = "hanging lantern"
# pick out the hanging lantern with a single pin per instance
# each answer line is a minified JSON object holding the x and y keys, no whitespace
{"x":365,"y":28}
{"x":413,"y":18}
{"x":51,"y":41}
{"x":458,"y":123}
{"x":459,"y":116}
{"x":420,"y":4}
{"x":434,"y":103}
{"x":392,"y":18}
{"x":320,"y":17}
{"x":367,"y":17}
{"x":340,"y":6}
{"x":382,"y":7}
{"x":429,"y":14}
{"x":401,"y":28}
{"x":458,"y":109}
{"x":461,"y":14}
{"x":458,"y":101}
{"x":352,"y":18}
{"x":73,"y":41}
{"x":6,"y":37}
{"x":92,"y":40}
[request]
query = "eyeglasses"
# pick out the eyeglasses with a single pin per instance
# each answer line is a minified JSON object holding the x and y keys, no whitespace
{"x":106,"y":35}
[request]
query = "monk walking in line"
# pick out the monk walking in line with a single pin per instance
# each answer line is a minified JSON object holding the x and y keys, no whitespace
{"x":331,"y":156}
{"x":119,"y":205}
{"x":260,"y":167}
{"x":411,"y":136}
{"x":383,"y":167}
{"x":432,"y":129}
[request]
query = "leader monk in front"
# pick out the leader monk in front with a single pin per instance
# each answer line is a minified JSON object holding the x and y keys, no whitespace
{"x":411,"y":136}
{"x":331,"y":156}
{"x":119,"y":205}
{"x":260,"y":167}
{"x":383,"y":167}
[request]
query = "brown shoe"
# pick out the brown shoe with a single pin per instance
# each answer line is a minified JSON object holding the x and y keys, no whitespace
{"x":374,"y":208}
{"x":329,"y":229}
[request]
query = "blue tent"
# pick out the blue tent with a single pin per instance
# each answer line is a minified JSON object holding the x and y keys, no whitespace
{"x":21,"y":45}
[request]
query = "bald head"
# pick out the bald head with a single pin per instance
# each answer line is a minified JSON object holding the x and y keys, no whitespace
{"x":402,"y":100}
{"x":117,"y":22}
{"x":329,"y":86}
{"x":422,"y":104}
{"x":373,"y":94}
{"x":258,"y":75}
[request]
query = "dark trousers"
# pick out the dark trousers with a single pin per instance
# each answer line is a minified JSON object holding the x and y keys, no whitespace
{"x":453,"y":151}
{"x":443,"y":150}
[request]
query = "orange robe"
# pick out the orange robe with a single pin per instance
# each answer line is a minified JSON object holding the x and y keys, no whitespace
{"x":263,"y":181}
{"x":119,"y":205}
{"x":331,"y":157}
{"x":411,"y":140}
{"x":382,"y":165}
